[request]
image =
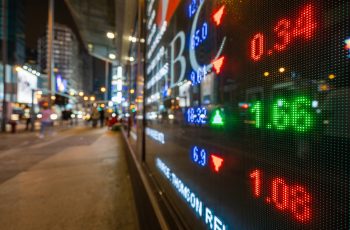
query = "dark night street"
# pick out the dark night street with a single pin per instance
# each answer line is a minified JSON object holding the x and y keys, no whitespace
{"x":174,"y":115}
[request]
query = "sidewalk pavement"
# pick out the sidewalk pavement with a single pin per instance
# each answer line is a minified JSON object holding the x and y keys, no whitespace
{"x":24,"y":137}
{"x":80,"y":181}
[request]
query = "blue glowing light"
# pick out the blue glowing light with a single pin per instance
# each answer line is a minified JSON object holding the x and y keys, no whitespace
{"x":198,"y":76}
{"x":199,"y":156}
{"x":196,"y":115}
{"x":156,"y":135}
{"x":206,"y":214}
{"x":193,"y":7}
{"x":199,"y":36}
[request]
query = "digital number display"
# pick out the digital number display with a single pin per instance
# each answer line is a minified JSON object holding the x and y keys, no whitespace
{"x":248,"y":103}
{"x":199,"y":156}
{"x":200,"y":36}
{"x":296,"y":114}
{"x":197,"y":77}
{"x":285,"y":32}
{"x":202,"y":157}
{"x":283,"y":196}
{"x":193,"y":7}
{"x":196,"y":115}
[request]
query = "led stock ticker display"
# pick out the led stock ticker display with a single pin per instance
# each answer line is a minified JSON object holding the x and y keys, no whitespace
{"x":296,"y":114}
{"x":206,"y":214}
{"x":199,"y":36}
{"x":285,"y":197}
{"x":285,"y":32}
{"x":248,"y":112}
{"x":199,"y":116}
{"x":196,"y":115}
{"x":285,"y":114}
{"x":203,"y":158}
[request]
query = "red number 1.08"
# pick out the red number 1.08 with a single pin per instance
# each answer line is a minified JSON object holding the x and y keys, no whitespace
{"x":285,"y":197}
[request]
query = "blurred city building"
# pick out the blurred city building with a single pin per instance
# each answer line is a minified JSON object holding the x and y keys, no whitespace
{"x":68,"y":64}
{"x":15,"y":32}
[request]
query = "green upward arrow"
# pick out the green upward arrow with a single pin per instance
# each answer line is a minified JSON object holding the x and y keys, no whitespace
{"x":217,"y":119}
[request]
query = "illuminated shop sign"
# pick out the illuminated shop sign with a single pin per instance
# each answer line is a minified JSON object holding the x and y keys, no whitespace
{"x":61,"y":84}
{"x":156,"y":135}
{"x":347,"y":46}
{"x":153,"y":98}
{"x":25,"y":84}
{"x":158,"y":69}
{"x":160,"y":74}
{"x":206,"y":214}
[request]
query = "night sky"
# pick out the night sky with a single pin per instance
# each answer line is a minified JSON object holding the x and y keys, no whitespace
{"x":36,"y":15}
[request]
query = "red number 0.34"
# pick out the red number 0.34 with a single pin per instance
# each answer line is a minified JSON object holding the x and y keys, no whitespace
{"x":285,"y":32}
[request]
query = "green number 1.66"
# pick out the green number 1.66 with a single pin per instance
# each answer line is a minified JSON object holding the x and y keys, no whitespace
{"x":286,"y":114}
{"x":257,"y":110}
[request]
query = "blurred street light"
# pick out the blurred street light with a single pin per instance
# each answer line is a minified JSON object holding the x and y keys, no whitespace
{"x":103,"y":89}
{"x":112,"y":56}
{"x":132,"y":39}
{"x":110,"y":35}
{"x":92,"y":98}
{"x":86,"y":98}
{"x":90,"y":47}
{"x":331,"y":76}
{"x":81,"y":93}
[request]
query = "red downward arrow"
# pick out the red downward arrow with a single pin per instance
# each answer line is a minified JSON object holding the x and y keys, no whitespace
{"x":218,"y":15}
{"x":217,"y":64}
{"x":217,"y":162}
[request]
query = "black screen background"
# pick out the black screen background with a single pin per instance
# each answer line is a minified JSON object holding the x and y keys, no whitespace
{"x":318,"y":159}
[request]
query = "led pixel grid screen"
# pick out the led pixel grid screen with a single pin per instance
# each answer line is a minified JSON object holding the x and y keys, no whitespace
{"x":247,"y":108}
